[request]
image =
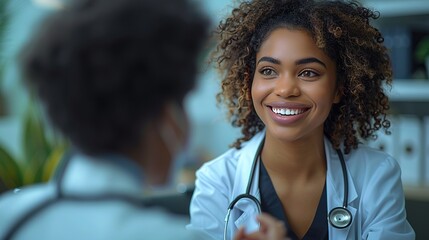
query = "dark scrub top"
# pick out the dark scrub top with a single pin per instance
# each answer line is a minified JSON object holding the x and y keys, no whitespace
{"x":270,"y":203}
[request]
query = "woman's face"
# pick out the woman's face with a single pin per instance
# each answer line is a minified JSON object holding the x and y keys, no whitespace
{"x":294,"y":85}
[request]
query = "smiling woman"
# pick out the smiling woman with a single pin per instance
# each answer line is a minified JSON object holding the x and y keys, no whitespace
{"x":296,"y":76}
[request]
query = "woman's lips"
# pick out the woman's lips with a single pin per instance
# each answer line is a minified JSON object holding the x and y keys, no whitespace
{"x":287,"y":113}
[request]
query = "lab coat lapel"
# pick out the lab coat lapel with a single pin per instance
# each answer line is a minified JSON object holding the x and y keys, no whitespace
{"x":244,"y":211}
{"x":335,"y":191}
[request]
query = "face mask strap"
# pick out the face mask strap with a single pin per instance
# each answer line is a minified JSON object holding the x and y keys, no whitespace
{"x":167,"y":133}
{"x":170,"y":138}
{"x":179,"y":116}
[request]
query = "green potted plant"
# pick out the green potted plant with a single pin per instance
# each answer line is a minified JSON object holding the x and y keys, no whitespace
{"x":41,"y":152}
{"x":422,"y":53}
{"x":41,"y":155}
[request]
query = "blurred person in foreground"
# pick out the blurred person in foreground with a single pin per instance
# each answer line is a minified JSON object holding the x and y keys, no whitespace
{"x":112,"y":75}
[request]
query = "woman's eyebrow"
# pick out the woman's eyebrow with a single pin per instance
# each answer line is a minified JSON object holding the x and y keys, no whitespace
{"x":309,"y":60}
{"x":297,"y":62}
{"x":269,"y":59}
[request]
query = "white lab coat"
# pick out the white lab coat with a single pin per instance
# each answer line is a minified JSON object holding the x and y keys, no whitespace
{"x":375,"y":199}
{"x":94,"y":220}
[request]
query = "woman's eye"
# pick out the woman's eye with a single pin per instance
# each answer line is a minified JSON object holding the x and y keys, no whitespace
{"x":268,"y":72}
{"x":308,"y":74}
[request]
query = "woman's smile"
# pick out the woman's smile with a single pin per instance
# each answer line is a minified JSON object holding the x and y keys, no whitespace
{"x":287,"y":113}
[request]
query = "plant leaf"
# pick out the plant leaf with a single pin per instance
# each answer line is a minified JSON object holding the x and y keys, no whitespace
{"x":10,"y":172}
{"x":52,"y":162}
{"x":28,"y":174}
{"x":36,"y":147}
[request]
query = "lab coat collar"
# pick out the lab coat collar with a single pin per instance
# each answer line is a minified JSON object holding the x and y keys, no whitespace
{"x":109,"y":174}
{"x":335,"y":189}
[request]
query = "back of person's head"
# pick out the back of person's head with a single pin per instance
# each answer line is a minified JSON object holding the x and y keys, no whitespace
{"x":102,"y":68}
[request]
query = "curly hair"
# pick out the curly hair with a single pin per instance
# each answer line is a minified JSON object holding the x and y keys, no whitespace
{"x":103,"y":68}
{"x":342,"y":30}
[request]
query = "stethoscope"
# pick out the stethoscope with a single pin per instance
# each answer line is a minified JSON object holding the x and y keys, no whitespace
{"x":338,"y":217}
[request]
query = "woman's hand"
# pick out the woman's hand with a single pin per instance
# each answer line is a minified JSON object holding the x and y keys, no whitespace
{"x":270,"y":229}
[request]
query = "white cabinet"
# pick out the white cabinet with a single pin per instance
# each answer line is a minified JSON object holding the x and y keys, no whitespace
{"x":407,"y":96}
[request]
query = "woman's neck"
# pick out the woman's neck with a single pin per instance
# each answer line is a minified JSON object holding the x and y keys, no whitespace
{"x":299,"y":160}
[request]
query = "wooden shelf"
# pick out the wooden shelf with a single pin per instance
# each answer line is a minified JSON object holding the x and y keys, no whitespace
{"x":419,"y":193}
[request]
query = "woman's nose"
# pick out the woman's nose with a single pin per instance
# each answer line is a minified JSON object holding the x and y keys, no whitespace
{"x":287,"y":86}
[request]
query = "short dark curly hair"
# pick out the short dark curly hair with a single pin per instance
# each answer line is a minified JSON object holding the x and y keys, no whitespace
{"x":342,"y":29}
{"x":103,"y":68}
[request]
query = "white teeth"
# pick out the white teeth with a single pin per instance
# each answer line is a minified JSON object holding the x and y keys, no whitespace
{"x":287,"y":111}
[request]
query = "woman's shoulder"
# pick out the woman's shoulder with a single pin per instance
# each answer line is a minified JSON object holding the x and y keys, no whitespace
{"x":227,"y":162}
{"x":371,"y":154}
{"x":370,"y":159}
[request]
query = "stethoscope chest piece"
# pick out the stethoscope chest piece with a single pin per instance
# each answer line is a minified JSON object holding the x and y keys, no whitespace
{"x":340,"y":217}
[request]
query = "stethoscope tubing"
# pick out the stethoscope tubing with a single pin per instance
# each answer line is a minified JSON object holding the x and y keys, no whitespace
{"x":345,"y":178}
